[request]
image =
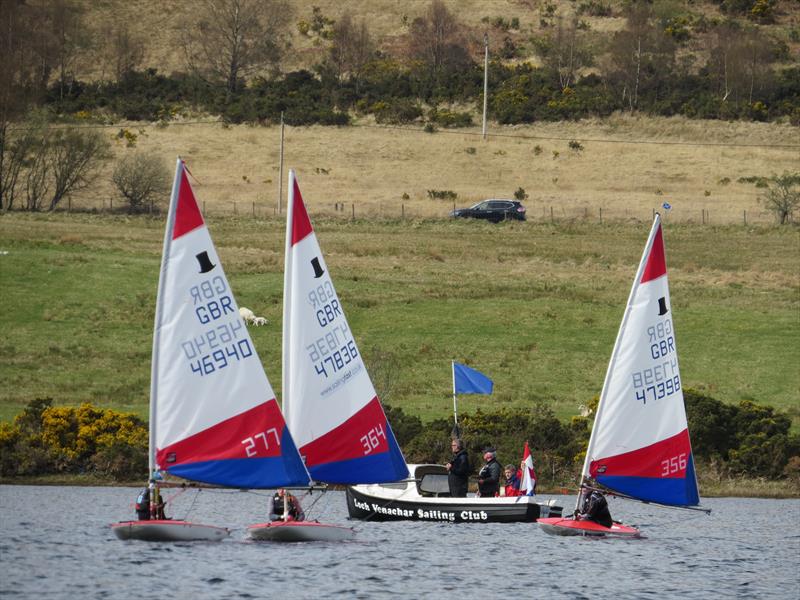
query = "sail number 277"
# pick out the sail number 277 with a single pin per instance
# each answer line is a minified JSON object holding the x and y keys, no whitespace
{"x":673,"y":465}
{"x":370,"y":441}
{"x":253,"y":444}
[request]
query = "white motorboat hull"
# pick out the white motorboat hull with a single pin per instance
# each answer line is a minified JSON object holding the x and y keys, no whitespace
{"x":168,"y":531}
{"x":299,"y":531}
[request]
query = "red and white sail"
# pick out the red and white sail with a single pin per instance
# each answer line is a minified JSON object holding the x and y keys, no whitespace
{"x":213,"y":413}
{"x":640,"y":440}
{"x":329,"y":401}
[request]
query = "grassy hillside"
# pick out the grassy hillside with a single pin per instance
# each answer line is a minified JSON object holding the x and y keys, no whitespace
{"x":535,"y":306}
{"x":627,"y":167}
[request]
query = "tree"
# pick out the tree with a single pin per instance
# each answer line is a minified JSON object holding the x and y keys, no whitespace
{"x":782,"y":197}
{"x":352,"y":48}
{"x":140,"y":178}
{"x":436,"y":41}
{"x":126,"y":51}
{"x":565,"y":54}
{"x":73,"y":158}
{"x":232,"y":39}
{"x":640,"y":56}
{"x":17,"y":74}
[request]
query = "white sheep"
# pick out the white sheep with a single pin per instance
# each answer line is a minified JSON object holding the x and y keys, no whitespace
{"x":250,"y":317}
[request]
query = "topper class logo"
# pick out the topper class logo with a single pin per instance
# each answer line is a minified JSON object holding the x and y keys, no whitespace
{"x":205,"y":262}
{"x":318,"y":271}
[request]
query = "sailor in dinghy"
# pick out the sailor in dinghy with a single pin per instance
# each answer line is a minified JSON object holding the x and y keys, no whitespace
{"x":639,"y":447}
{"x":214,"y":418}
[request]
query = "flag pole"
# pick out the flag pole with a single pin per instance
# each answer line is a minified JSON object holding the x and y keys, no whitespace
{"x":456,"y":432}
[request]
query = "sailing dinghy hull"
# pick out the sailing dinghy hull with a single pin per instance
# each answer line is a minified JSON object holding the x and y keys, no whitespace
{"x":559,"y":526}
{"x":168,"y":531}
{"x":299,"y":531}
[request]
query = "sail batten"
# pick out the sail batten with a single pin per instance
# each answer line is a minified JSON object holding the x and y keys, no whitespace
{"x":640,"y":444}
{"x":330,"y":404}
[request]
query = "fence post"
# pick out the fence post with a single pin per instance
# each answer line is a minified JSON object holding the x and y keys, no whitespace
{"x":354,"y":211}
{"x":551,"y":214}
{"x":403,"y":211}
{"x":254,"y":210}
{"x":601,"y":215}
{"x":744,"y":214}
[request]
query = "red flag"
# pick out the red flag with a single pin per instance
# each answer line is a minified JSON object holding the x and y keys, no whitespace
{"x":528,"y":474}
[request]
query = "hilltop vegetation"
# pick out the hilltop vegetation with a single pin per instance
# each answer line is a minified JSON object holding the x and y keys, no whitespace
{"x":327,"y":62}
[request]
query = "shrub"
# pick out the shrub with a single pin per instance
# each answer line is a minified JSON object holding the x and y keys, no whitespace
{"x":442,"y":195}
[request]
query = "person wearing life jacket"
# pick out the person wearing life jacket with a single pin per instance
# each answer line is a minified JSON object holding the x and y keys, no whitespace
{"x":489,"y":475}
{"x":595,"y":508}
{"x":143,"y":505}
{"x":295,"y":511}
{"x":513,"y":480}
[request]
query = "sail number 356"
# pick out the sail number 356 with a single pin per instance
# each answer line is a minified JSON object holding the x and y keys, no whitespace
{"x":673,"y":465}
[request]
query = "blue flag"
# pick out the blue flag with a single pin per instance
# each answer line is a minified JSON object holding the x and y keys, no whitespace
{"x":470,"y":381}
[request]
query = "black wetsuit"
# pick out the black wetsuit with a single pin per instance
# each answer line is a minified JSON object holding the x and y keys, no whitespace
{"x":595,"y":508}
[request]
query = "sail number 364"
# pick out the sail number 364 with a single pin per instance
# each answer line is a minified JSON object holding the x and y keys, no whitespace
{"x":370,"y":441}
{"x":673,"y":465}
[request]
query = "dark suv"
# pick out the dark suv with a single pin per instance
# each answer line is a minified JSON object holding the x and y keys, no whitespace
{"x":493,"y":210}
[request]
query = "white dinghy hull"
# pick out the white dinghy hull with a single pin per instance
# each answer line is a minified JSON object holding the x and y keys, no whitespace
{"x":299,"y":531}
{"x":169,"y":531}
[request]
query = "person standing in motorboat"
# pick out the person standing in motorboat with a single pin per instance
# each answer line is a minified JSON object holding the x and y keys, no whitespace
{"x":294,"y":511}
{"x":458,"y":470}
{"x":489,"y":475}
{"x":595,"y":508}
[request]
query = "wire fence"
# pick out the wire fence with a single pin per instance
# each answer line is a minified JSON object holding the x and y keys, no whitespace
{"x":537,"y":212}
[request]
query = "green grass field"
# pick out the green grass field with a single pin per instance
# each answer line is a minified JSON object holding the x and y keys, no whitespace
{"x":534,"y":306}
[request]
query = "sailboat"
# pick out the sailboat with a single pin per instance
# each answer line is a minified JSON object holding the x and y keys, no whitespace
{"x":214,"y":418}
{"x":329,"y":401}
{"x":639,"y":446}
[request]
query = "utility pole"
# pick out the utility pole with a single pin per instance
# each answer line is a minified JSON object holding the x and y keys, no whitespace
{"x":280,"y":170}
{"x":485,"y":78}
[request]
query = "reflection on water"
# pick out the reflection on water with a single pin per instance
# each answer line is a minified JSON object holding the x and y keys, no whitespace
{"x":55,"y":542}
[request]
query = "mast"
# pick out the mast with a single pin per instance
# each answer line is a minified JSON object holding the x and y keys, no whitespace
{"x":604,"y":393}
{"x":162,"y":278}
{"x":287,"y":299}
{"x":456,"y":431}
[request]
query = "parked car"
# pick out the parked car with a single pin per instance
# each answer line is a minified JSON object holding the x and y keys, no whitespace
{"x":493,"y":210}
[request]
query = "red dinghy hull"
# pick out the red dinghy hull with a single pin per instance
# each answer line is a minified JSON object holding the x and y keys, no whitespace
{"x":559,"y":526}
{"x":299,"y":531}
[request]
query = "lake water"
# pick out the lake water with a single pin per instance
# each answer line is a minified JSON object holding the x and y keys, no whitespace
{"x":55,"y":542}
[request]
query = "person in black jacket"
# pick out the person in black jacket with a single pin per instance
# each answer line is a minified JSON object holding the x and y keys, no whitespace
{"x":489,"y":475}
{"x":595,"y":508}
{"x":458,"y":470}
{"x":295,"y":512}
